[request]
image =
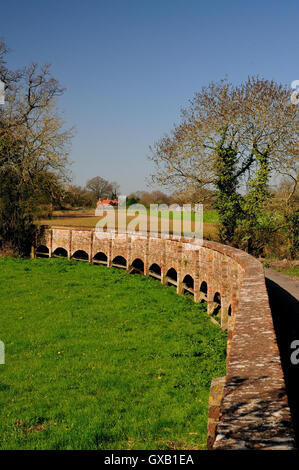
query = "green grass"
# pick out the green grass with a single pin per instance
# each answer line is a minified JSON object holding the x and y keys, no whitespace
{"x":99,"y":359}
{"x":290,"y":271}
{"x":210,"y":216}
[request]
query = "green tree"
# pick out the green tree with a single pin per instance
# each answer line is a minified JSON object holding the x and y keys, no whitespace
{"x":228,"y":200}
{"x":219,"y":145}
{"x":254,"y":225}
{"x":290,"y":211}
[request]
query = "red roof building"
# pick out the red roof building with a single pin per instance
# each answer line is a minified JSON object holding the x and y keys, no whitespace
{"x":107,"y":202}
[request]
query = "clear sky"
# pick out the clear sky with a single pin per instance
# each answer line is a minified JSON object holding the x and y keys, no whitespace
{"x":129,"y":66}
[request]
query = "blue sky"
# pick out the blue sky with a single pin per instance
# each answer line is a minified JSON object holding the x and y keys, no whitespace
{"x":129,"y":66}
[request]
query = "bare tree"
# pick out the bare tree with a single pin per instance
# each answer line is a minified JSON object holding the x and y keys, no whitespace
{"x":100,"y":187}
{"x":34,"y":147}
{"x":31,"y":123}
{"x":251,"y":118}
{"x":229,"y":135}
{"x":115,"y":190}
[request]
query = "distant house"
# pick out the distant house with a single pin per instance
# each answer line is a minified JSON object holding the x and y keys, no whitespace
{"x":107,"y":202}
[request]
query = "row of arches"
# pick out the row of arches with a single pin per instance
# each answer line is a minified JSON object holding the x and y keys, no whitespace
{"x":80,"y":255}
{"x":137,"y":267}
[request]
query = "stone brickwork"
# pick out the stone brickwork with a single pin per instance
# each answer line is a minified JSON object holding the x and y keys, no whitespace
{"x":248,"y":407}
{"x":216,"y":393}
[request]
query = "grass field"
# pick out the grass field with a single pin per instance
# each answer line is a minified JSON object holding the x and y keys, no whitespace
{"x":99,"y":359}
{"x":291,"y":271}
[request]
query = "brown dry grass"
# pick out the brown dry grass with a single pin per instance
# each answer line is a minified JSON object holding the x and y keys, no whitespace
{"x":86,"y":221}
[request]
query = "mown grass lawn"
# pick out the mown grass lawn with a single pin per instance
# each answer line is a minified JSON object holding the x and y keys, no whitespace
{"x":99,"y":359}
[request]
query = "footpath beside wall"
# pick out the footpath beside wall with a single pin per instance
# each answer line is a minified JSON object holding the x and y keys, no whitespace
{"x":248,"y":407}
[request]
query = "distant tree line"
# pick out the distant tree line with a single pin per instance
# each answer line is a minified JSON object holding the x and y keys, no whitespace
{"x":88,"y":195}
{"x":176,"y":197}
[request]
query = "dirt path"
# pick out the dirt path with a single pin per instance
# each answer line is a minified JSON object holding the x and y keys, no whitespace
{"x":283,"y":293}
{"x":290,"y":284}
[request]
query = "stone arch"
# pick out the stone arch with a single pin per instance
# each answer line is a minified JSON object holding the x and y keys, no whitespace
{"x":216,"y":304}
{"x":60,"y":253}
{"x":137,"y":267}
{"x":155,"y":271}
{"x":80,"y":255}
{"x":188,"y":285}
{"x":172,"y":277}
{"x":203,"y":292}
{"x":119,"y":262}
{"x":42,"y":251}
{"x":100,"y":258}
{"x":204,"y":287}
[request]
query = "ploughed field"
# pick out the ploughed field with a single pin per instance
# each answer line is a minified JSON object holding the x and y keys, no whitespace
{"x":99,"y":359}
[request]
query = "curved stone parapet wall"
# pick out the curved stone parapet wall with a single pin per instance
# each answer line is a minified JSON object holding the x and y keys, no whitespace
{"x":253,"y":410}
